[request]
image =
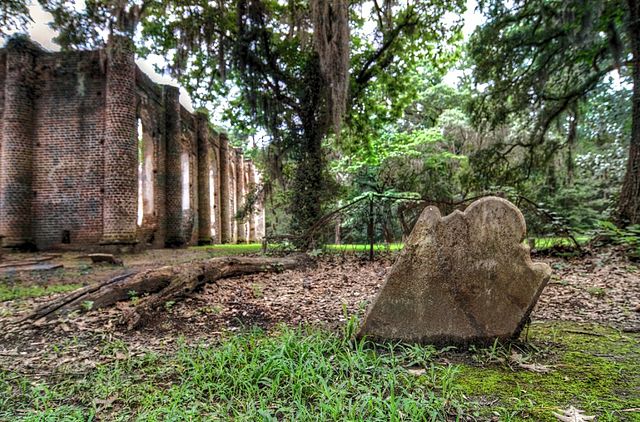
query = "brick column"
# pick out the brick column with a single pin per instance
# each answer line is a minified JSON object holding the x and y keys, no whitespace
{"x":233,"y":233}
{"x":252,"y":216}
{"x":173,"y":190}
{"x":160,"y":189}
{"x":225,"y":200}
{"x":3,"y":74}
{"x":245,"y":195}
{"x":17,"y":145}
{"x":240,"y":195}
{"x":260,"y":214}
{"x":204,"y":187}
{"x":215,"y":167}
{"x":120,"y":146}
{"x":192,"y":236}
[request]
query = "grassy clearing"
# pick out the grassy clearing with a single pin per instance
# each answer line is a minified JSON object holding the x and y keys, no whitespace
{"x":355,"y":247}
{"x":230,"y":249}
{"x":13,"y":291}
{"x":542,"y":243}
{"x":310,"y":374}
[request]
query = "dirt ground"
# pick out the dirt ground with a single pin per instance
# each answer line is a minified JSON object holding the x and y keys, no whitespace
{"x":603,"y":287}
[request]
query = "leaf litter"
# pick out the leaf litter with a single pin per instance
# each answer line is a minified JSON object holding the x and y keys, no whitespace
{"x":603,"y":288}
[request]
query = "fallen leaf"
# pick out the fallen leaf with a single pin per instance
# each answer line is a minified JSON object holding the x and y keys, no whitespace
{"x":573,"y":415}
{"x":416,"y":371}
{"x":535,"y":367}
{"x":106,"y":403}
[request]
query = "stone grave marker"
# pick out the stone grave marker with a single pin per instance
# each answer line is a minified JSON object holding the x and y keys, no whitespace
{"x":464,"y":278}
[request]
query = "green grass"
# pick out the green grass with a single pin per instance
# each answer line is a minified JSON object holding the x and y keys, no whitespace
{"x":252,"y":248}
{"x":230,"y":249}
{"x":312,"y":374}
{"x":357,"y":247}
{"x":541,"y":243}
{"x":549,"y":242}
{"x":293,"y":374}
{"x":14,"y":291}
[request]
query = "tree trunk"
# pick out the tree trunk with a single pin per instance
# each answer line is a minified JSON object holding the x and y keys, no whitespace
{"x":629,"y":204}
{"x":571,"y":142}
{"x":157,"y":286}
{"x":308,"y":184}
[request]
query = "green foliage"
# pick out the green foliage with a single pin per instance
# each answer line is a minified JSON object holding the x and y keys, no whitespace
{"x":14,"y":16}
{"x":628,"y":237}
{"x":545,"y":67}
{"x":543,"y":56}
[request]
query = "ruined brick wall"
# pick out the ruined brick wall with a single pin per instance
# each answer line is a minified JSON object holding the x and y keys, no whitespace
{"x":69,"y":141}
{"x":94,"y":154}
{"x":3,"y":72}
{"x":17,"y":143}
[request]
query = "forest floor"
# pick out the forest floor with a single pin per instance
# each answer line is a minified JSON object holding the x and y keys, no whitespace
{"x":582,"y":349}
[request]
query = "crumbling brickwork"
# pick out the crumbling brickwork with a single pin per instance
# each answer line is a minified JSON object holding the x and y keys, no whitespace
{"x":94,"y":154}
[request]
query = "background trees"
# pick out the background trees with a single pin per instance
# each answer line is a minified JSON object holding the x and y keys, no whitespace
{"x":541,"y":59}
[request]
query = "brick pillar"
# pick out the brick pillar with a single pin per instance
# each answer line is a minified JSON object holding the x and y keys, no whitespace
{"x":215,"y":167}
{"x":160,"y":189}
{"x":192,"y":237}
{"x":233,"y":236}
{"x":225,"y":200}
{"x":173,"y":190}
{"x":204,"y":187}
{"x":260,"y":214}
{"x":240,"y":194}
{"x":3,"y":74}
{"x":17,"y":145}
{"x":247,"y":189}
{"x":252,"y":216}
{"x":120,"y":146}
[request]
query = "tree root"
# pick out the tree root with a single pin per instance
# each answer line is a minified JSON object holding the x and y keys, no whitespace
{"x":155,"y":287}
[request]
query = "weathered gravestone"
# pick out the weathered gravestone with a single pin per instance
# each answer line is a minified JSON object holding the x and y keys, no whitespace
{"x":463,"y":278}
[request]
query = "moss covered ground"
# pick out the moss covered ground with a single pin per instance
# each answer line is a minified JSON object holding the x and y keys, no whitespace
{"x":590,"y":367}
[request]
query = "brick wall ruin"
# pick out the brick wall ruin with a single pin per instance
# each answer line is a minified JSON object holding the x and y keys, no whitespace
{"x":94,"y":154}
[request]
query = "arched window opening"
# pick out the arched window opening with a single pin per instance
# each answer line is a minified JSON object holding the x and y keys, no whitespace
{"x":186,"y":174}
{"x":212,"y":202}
{"x":145,"y":174}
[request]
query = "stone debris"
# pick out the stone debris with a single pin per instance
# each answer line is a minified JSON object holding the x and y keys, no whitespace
{"x":30,"y":261}
{"x":31,"y":267}
{"x":460,"y":279}
{"x":98,"y":258}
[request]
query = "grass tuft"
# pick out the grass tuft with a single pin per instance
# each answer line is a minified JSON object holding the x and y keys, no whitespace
{"x":11,"y":291}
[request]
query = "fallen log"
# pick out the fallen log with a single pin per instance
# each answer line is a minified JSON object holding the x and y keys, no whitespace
{"x":154,"y":287}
